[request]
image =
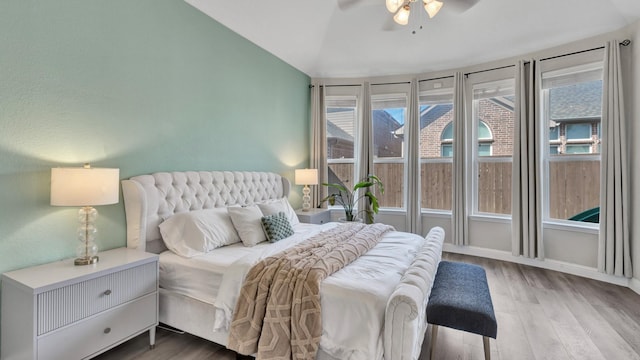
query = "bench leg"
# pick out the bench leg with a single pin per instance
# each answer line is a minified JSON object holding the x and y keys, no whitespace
{"x":487,"y":349}
{"x":434,"y":335}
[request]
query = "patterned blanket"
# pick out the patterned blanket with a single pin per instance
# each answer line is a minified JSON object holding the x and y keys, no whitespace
{"x":278,"y":312}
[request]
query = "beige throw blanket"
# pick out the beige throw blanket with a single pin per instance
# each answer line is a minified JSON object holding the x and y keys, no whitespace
{"x":278,"y":311}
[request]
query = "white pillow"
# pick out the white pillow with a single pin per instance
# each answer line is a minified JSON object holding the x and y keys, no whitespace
{"x":276,"y":206}
{"x":197,"y":232}
{"x":247,"y":221}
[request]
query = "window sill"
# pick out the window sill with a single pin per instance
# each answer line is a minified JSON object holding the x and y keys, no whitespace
{"x":493,"y":219}
{"x":587,"y":228}
{"x":436,"y":213}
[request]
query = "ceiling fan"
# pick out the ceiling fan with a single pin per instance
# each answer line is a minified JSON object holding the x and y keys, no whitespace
{"x":401,"y":9}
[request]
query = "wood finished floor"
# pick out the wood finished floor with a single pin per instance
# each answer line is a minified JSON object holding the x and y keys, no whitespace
{"x":541,"y":314}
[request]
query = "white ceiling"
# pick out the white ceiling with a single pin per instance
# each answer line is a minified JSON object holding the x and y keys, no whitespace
{"x":354,"y":38}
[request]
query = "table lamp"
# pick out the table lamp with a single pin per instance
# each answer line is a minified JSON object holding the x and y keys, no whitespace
{"x":86,"y":187}
{"x":306,"y":177}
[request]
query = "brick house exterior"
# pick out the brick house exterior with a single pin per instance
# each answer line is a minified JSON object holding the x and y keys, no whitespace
{"x":434,"y":120}
{"x":581,"y":104}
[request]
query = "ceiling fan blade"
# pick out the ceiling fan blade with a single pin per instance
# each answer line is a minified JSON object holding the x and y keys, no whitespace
{"x":459,"y":6}
{"x":347,"y":4}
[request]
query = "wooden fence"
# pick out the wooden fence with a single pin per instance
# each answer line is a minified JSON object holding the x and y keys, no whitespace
{"x":437,"y":185}
{"x":494,"y":187}
{"x":574,"y":186}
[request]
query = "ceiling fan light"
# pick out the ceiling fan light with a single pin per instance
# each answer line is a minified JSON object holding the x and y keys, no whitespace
{"x":432,"y":7}
{"x":394,"y":5}
{"x":402,"y":16}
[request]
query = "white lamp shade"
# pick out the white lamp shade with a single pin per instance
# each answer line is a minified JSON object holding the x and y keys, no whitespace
{"x":84,"y":186}
{"x":402,"y":16}
{"x":306,"y":176}
{"x":394,"y":5}
{"x":432,"y":7}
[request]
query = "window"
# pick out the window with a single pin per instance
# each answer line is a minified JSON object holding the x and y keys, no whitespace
{"x":492,"y":131}
{"x":554,"y":132}
{"x":578,"y":131}
{"x":572,"y":101}
{"x":436,"y":144}
{"x":341,"y":112}
{"x":446,"y":139}
{"x":388,"y":114}
{"x":484,"y":138}
{"x":577,"y":149}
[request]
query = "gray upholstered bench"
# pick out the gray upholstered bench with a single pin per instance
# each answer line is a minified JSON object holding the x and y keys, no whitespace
{"x":460,"y":299}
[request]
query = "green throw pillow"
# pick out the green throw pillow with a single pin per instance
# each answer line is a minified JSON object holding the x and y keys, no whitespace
{"x":276,"y":227}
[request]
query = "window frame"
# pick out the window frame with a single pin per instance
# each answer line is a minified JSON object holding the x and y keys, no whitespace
{"x":442,"y":91}
{"x":563,"y":68}
{"x":346,"y":95}
{"x":382,"y":95}
{"x":507,"y":78}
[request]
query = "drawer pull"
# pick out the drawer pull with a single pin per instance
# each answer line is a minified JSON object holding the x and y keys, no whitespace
{"x":107,"y":330}
{"x":107,"y":292}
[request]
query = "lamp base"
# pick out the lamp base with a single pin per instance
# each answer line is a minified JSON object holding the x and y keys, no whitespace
{"x":86,"y":260}
{"x":306,"y":198}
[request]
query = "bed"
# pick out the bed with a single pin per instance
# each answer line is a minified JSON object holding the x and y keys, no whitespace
{"x":374,"y":308}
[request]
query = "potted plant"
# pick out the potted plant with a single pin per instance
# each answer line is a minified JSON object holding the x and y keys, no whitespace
{"x":348,"y":198}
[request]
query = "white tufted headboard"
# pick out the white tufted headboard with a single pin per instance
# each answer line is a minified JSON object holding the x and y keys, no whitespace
{"x":150,"y":199}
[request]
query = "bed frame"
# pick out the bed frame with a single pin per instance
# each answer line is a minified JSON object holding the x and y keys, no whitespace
{"x":149,"y":199}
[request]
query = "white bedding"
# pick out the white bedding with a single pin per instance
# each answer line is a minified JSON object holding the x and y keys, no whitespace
{"x":353,"y":299}
{"x":200,"y":277}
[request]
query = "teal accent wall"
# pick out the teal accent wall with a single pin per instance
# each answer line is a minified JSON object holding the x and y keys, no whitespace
{"x":144,"y":86}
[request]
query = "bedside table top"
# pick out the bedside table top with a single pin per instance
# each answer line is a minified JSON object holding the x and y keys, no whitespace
{"x":43,"y":277}
{"x":311,"y":211}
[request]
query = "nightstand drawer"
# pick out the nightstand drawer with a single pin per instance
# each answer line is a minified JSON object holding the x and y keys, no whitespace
{"x":66,"y":305}
{"x":92,"y":335}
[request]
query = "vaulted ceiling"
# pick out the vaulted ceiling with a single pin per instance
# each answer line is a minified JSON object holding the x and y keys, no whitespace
{"x":353,"y":38}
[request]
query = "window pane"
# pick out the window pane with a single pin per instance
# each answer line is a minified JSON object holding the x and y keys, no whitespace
{"x":494,"y":121}
{"x":388,"y":132}
{"x":484,"y":150}
{"x":341,"y":120}
{"x":493,"y":116}
{"x":388,"y":119}
{"x":578,"y":149}
{"x":494,"y":187}
{"x":554,"y":132}
{"x":447,"y":150}
{"x":576,"y":101}
{"x":578,"y":131}
{"x":392,"y":176}
{"x":573,"y":104}
{"x":341,"y":174}
{"x":483,"y":131}
{"x":341,"y":112}
{"x":437,"y":179}
{"x":447,"y":133}
{"x":574,"y":187}
{"x":568,"y":106}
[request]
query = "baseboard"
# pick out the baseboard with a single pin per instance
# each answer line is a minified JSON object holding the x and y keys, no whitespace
{"x":634,"y":284}
{"x":555,"y":265}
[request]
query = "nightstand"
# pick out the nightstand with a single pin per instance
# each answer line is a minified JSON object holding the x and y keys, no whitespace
{"x":314,"y":216}
{"x":63,"y":311}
